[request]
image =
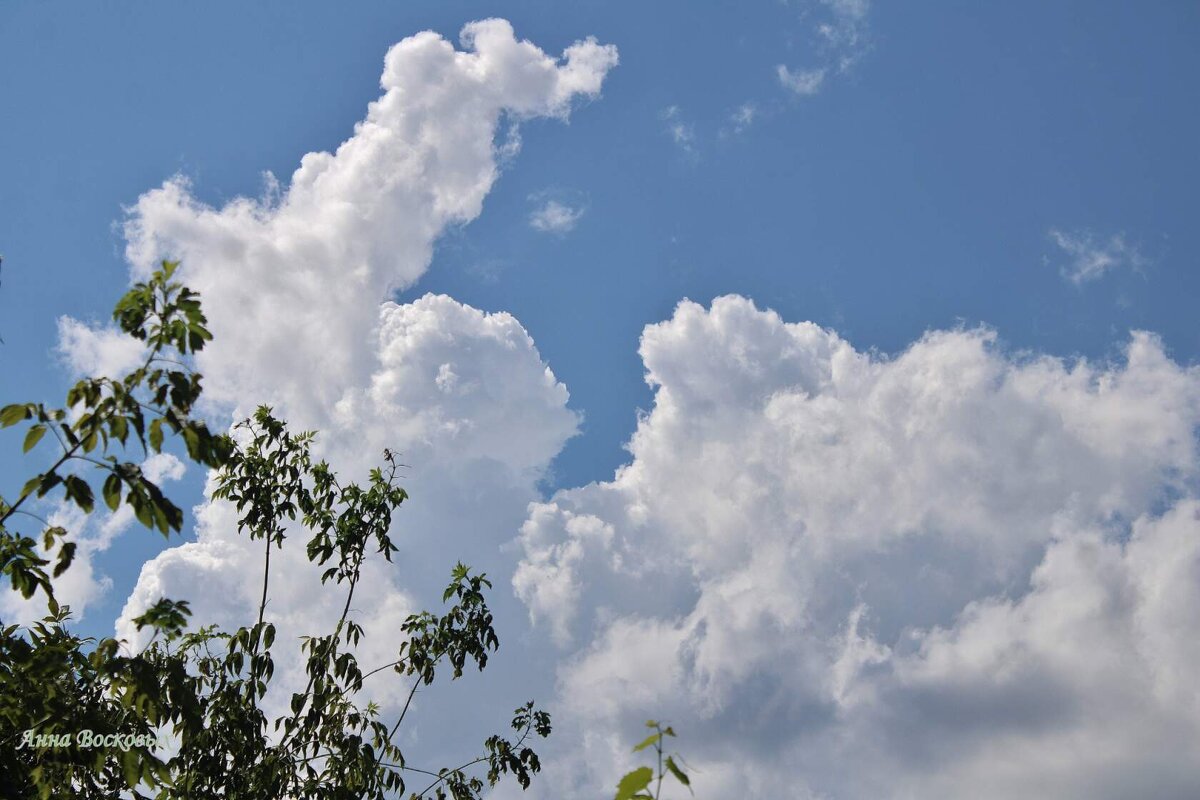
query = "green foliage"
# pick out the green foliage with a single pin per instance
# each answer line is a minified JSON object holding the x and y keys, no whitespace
{"x":636,"y":784}
{"x":206,"y":689}
{"x":101,"y":413}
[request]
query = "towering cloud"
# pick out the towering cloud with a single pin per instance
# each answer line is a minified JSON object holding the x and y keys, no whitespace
{"x":291,"y":284}
{"x":955,"y":572}
{"x":297,"y":288}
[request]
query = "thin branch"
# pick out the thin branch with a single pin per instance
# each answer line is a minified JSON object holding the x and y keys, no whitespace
{"x":13,"y":508}
{"x":31,"y":514}
{"x":395,"y":663}
{"x":469,"y":764}
{"x":262,"y":606}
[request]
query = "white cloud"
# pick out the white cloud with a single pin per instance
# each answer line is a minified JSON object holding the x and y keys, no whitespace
{"x":287,"y":283}
{"x":954,"y":572}
{"x":840,"y":30}
{"x":801,"y":82}
{"x":1090,"y":256}
{"x":477,"y":414}
{"x":555,"y":217}
{"x":681,"y":132}
{"x":104,"y":351}
{"x":295,"y":286}
{"x":743,"y":117}
{"x":844,"y":32}
{"x":840,"y":574}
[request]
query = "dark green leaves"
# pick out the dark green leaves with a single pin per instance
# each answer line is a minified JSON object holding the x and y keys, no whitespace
{"x":674,"y":769}
{"x":206,"y":687}
{"x":79,"y":492}
{"x":106,"y":412}
{"x":505,"y":757}
{"x":464,"y":633}
{"x":163,"y":313}
{"x":168,"y":617}
{"x":66,"y":555}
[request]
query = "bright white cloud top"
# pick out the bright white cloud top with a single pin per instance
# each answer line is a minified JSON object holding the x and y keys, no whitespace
{"x":295,"y":290}
{"x":293,"y":280}
{"x":954,"y":572}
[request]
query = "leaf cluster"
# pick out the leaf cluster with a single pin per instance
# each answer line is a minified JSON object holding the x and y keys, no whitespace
{"x":102,"y":413}
{"x":206,"y":689}
{"x":635,"y":785}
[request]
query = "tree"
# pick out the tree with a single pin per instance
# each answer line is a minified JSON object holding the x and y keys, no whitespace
{"x":205,"y":688}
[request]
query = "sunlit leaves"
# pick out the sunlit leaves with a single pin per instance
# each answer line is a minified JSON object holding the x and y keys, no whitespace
{"x":635,"y":785}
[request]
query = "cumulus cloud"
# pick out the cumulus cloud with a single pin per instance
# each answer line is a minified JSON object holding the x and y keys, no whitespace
{"x":97,"y":351}
{"x":1089,"y":256}
{"x":287,"y":283}
{"x":296,"y":287}
{"x":953,"y":572}
{"x":555,"y":217}
{"x":477,"y":415}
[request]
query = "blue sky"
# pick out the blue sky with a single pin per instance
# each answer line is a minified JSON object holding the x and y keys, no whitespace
{"x":1028,"y":167}
{"x":930,"y":173}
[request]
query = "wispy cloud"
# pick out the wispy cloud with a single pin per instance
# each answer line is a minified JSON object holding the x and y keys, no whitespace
{"x":841,"y":37}
{"x":743,"y":117}
{"x":802,"y":82}
{"x":1090,"y":256}
{"x":555,"y":217}
{"x":844,"y":32}
{"x":680,"y":131}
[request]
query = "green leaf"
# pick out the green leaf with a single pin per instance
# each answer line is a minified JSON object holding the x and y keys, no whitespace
{"x":633,"y":783}
{"x":112,"y":491}
{"x":45,"y":482}
{"x":156,"y":435}
{"x":130,"y":767}
{"x":30,"y":485}
{"x":11,"y":415}
{"x":34,"y":436}
{"x":649,"y":740}
{"x":677,"y":772}
{"x":79,"y":491}
{"x":65,"y":556}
